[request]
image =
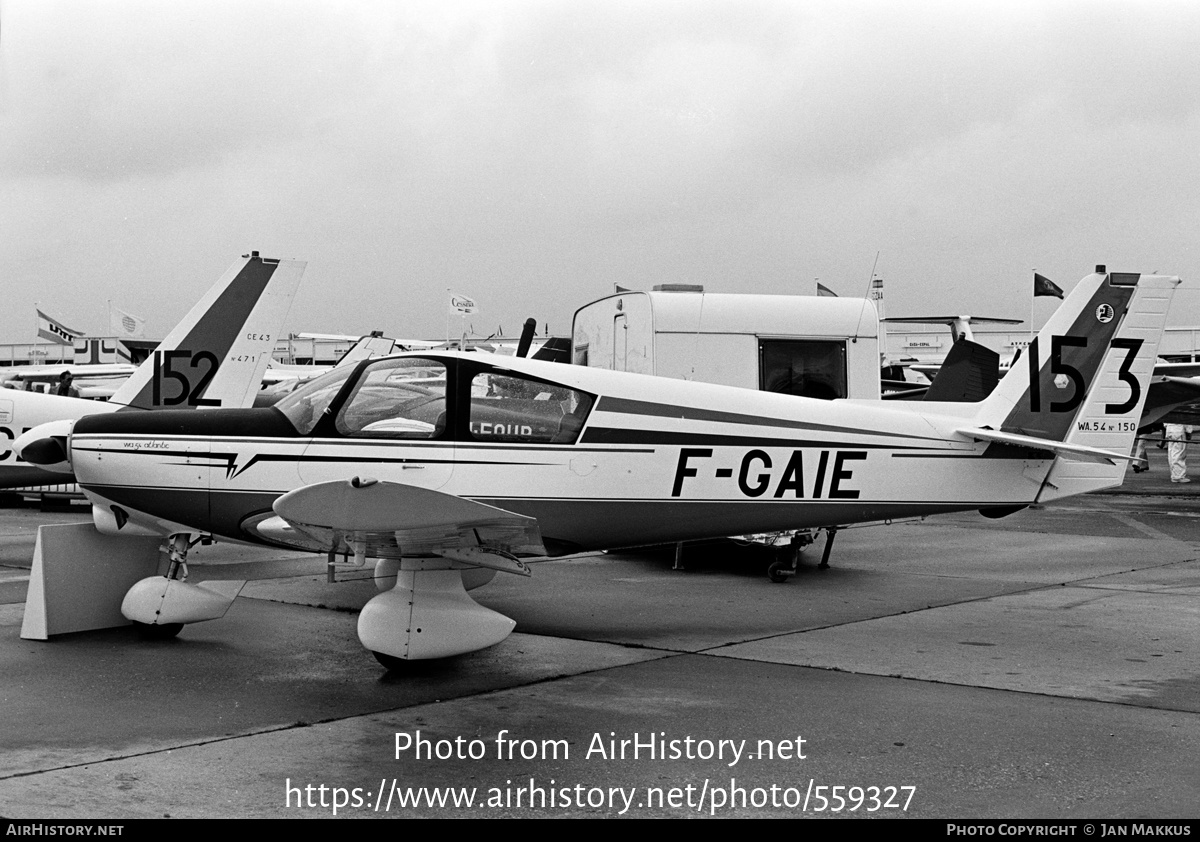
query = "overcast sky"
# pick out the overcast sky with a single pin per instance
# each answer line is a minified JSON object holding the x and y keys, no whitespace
{"x":531,"y":154}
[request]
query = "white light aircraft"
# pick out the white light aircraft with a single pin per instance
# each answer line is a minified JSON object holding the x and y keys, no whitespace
{"x":215,"y":357}
{"x":445,"y":465}
{"x":374,"y":344}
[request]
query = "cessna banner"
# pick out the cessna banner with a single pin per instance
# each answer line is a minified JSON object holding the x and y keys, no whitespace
{"x":444,"y":466}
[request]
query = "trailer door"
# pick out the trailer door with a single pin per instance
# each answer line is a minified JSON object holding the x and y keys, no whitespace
{"x":620,"y":343}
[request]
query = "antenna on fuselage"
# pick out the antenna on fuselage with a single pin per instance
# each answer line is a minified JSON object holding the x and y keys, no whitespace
{"x":875,"y":284}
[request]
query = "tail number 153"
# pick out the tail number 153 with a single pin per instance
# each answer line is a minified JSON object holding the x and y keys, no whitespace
{"x":1060,"y":368}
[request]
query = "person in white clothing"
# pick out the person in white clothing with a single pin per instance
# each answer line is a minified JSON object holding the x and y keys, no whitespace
{"x":1177,"y":436}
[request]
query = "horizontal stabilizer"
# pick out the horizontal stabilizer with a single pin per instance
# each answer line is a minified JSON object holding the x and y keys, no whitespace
{"x":1076,"y":452}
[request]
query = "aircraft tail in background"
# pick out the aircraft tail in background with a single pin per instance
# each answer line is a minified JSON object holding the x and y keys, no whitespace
{"x":217,"y":355}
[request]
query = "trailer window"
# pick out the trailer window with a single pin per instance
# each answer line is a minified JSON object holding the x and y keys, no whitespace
{"x":808,"y":368}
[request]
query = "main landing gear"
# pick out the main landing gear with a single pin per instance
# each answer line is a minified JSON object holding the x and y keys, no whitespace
{"x":390,"y":662}
{"x":160,"y":631}
{"x":427,"y":613}
{"x":788,"y":556}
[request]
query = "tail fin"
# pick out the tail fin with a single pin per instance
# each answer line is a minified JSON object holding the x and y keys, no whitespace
{"x":217,"y":355}
{"x":374,"y":344}
{"x":969,"y":374}
{"x":1083,"y":380}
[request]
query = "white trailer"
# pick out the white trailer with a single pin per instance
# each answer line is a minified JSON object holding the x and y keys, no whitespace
{"x":821,"y":347}
{"x":814,"y":346}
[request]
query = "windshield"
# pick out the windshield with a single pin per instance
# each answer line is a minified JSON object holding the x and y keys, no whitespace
{"x":305,"y":406}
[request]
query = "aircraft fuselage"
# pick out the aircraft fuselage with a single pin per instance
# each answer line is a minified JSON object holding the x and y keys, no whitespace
{"x":651,"y":462}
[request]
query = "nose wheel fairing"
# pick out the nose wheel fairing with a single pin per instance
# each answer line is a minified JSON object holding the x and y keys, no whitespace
{"x":159,"y":601}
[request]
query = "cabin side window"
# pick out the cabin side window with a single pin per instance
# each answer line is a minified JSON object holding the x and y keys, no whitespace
{"x":512,"y":408}
{"x":808,"y":368}
{"x":396,"y":399}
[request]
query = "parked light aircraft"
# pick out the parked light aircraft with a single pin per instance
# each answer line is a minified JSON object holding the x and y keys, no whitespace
{"x":374,"y":344}
{"x":287,"y":379}
{"x":51,"y":373}
{"x":442,"y":465}
{"x":214,"y":357}
{"x":92,"y":385}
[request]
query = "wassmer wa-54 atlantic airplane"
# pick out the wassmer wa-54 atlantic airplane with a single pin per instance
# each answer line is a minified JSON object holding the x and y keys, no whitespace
{"x":446,"y":467}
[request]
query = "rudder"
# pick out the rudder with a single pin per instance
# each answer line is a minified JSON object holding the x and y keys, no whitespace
{"x":1111,"y":413}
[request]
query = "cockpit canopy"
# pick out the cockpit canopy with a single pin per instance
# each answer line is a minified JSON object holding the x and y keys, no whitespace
{"x":437,"y":399}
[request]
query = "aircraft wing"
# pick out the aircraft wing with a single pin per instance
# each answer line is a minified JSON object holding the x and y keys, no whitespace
{"x":292,"y":373}
{"x":1166,"y":394}
{"x":948,"y":320}
{"x":902,"y":390}
{"x":392,"y":520}
{"x":1177,"y":369}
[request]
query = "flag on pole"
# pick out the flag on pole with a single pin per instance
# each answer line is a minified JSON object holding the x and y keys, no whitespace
{"x":876,"y":295}
{"x":824,"y":291}
{"x":462,"y":304}
{"x":126,"y":325}
{"x":1044,"y":286}
{"x":56,"y":331}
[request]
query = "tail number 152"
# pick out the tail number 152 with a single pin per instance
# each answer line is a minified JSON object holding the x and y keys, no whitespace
{"x":191,"y":371}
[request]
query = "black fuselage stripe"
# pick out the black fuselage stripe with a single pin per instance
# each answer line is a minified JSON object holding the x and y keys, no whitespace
{"x":619,"y":435}
{"x":628,"y":406}
{"x":374,"y":443}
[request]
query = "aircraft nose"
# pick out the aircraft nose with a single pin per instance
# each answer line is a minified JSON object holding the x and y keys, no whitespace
{"x":46,"y":446}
